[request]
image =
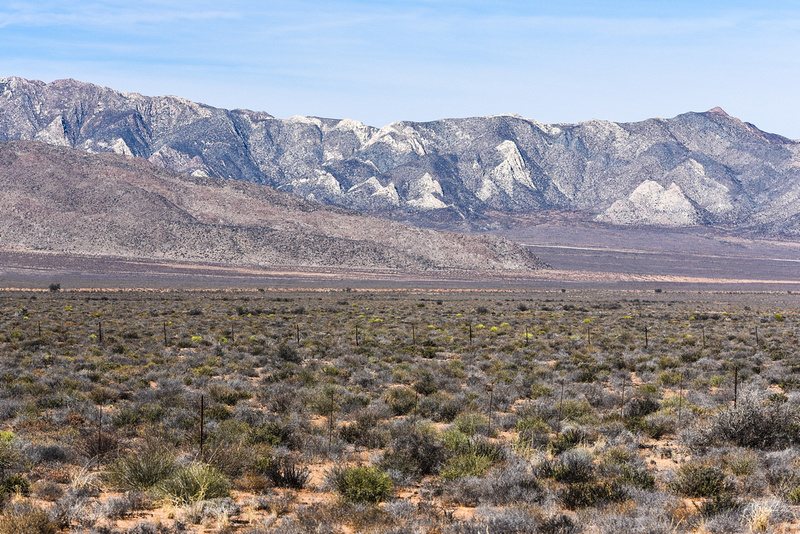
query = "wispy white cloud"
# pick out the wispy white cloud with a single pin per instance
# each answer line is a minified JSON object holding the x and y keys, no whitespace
{"x":95,"y":15}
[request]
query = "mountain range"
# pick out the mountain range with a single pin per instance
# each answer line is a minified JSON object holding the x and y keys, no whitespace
{"x":62,"y":200}
{"x":694,"y":170}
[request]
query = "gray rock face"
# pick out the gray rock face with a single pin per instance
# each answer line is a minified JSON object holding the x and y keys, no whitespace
{"x":694,"y":169}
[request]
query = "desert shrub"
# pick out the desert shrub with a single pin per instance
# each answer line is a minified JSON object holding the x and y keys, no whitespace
{"x":558,"y":524}
{"x":416,"y":453}
{"x":637,"y":477}
{"x":569,"y":439}
{"x":654,"y":426}
{"x":591,"y":493}
{"x":439,"y":407}
{"x":364,"y":436}
{"x":759,"y":516}
{"x":426,"y":385}
{"x":700,"y":480}
{"x":122,"y":506}
{"x":98,"y":444}
{"x":627,"y":468}
{"x":49,"y":453}
{"x":270,"y":433}
{"x":231,"y":459}
{"x":471,"y":423}
{"x":791,"y":492}
{"x":220,"y":510}
{"x":500,"y":520}
{"x":718,"y":504}
{"x":578,"y":411}
{"x":195,"y":482}
{"x":641,"y":406}
{"x":288,"y":354}
{"x":533,"y":432}
{"x":14,"y":484}
{"x":25,"y":518}
{"x":141,"y":470}
{"x":401,"y":400}
{"x":283,"y":472}
{"x":742,"y":463}
{"x":47,"y":490}
{"x":754,"y":424}
{"x":368,"y":485}
{"x":11,"y":458}
{"x":571,"y":467}
{"x":467,"y":464}
{"x":228,"y":396}
{"x":512,"y":482}
{"x":218,"y":412}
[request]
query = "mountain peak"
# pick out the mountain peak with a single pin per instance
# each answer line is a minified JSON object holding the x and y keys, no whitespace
{"x":718,"y":111}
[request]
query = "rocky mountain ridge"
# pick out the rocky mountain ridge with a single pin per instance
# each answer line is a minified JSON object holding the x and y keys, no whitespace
{"x":64,"y":200}
{"x":697,"y":169}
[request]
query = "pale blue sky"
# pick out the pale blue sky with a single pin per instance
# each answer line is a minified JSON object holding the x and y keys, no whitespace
{"x":381,"y":61}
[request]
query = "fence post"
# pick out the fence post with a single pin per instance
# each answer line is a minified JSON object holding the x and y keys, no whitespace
{"x":491,"y":399}
{"x":202,"y":415}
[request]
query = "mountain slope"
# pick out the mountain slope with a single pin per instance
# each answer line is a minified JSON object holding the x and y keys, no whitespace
{"x":694,"y":169}
{"x":65,"y":200}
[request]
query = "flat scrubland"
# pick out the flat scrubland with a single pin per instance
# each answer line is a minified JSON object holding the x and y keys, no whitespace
{"x":399,"y":411}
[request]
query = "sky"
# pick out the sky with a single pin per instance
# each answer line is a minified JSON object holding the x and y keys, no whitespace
{"x":383,"y":61}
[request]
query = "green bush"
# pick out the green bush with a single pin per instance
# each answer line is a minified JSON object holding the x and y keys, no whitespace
{"x":723,"y":502}
{"x":471,"y":423}
{"x":579,"y":411}
{"x":401,"y":400}
{"x":570,"y":468}
{"x":533,"y":431}
{"x":11,"y":459}
{"x":469,"y":464}
{"x":141,"y":470}
{"x":269,"y":433}
{"x":15,"y":484}
{"x":195,"y":482}
{"x":639,"y":478}
{"x":700,"y":480}
{"x":583,"y":494}
{"x":569,"y":439}
{"x":228,"y":396}
{"x":366,"y":485}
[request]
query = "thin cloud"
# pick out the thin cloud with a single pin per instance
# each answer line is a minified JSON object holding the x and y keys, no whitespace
{"x":96,"y":15}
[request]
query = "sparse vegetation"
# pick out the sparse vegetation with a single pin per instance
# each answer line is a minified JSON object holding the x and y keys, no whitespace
{"x":542,"y":432}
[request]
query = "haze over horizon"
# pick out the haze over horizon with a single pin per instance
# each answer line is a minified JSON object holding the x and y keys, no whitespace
{"x":379,"y":62}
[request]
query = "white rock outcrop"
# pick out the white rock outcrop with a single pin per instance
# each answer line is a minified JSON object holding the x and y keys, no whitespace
{"x":650,"y":204}
{"x":421,"y":194}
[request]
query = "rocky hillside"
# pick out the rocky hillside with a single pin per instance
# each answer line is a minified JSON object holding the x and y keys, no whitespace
{"x":65,"y":200}
{"x":695,"y":169}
